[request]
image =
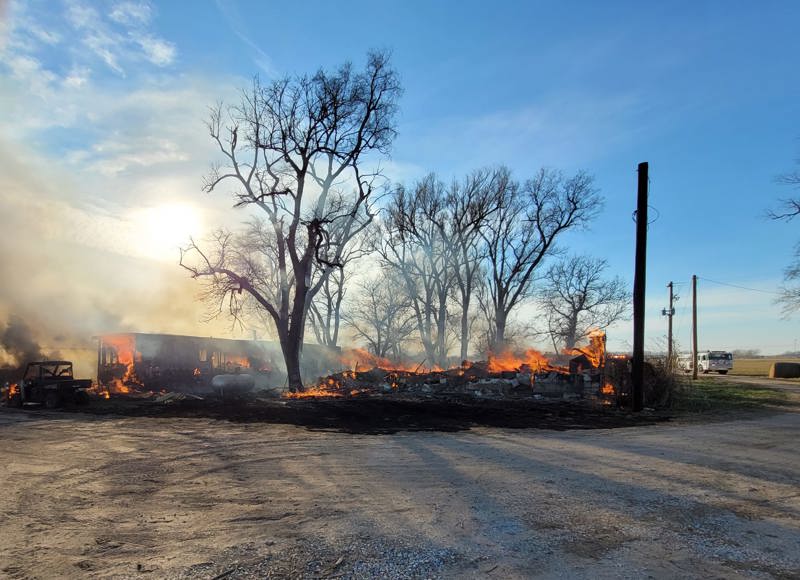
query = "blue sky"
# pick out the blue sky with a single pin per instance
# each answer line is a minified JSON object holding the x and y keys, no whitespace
{"x":103,"y":103}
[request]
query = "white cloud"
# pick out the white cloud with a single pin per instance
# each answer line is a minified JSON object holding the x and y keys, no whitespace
{"x":157,"y":51}
{"x":556,"y":130}
{"x":122,"y":38}
{"x":237,"y":24}
{"x":37,"y":94}
{"x":131,"y":13}
{"x":81,"y":15}
{"x":144,"y":146}
{"x":49,"y":37}
{"x":114,"y":157}
{"x":105,"y":47}
{"x":34,"y":77}
{"x":77,"y":77}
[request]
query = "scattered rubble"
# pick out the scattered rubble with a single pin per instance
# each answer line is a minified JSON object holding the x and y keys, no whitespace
{"x":171,"y":397}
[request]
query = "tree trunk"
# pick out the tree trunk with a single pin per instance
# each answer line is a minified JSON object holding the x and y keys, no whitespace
{"x":441,"y":332}
{"x":336,"y":308}
{"x":464,"y":331}
{"x":500,"y":331}
{"x":466,"y":296}
{"x":290,"y":345}
{"x":571,"y":335}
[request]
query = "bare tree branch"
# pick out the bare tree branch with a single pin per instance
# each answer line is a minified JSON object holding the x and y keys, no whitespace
{"x":576,"y":299}
{"x":523,"y":231}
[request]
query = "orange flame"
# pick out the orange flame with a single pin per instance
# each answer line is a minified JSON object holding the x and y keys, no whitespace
{"x":329,"y":388}
{"x":129,"y":383}
{"x":358,"y":358}
{"x":125,"y":348}
{"x":13,"y":389}
{"x":595,"y":351}
{"x":507,"y":361}
{"x":123,"y":386}
{"x":236,"y":361}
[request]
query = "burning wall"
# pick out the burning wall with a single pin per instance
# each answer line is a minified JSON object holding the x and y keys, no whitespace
{"x":152,"y":362}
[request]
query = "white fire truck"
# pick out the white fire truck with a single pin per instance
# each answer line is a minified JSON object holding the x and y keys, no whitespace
{"x":719,"y":361}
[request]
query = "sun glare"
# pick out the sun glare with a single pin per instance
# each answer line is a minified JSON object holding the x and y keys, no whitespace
{"x":167,"y":227}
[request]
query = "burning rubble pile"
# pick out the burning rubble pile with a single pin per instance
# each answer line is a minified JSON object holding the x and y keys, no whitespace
{"x":168,"y":368}
{"x":504,"y":375}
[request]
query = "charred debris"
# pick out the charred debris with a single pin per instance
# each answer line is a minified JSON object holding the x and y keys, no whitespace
{"x":150,"y":365}
{"x":242,"y":380}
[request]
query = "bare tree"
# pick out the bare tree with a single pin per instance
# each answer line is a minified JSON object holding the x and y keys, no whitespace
{"x":415,"y":247}
{"x":517,"y":332}
{"x":470,"y":203}
{"x":576,"y":298}
{"x":523,"y":231}
{"x":789,"y":298}
{"x":295,"y":151}
{"x":382,"y":316}
{"x":790,"y":209}
{"x":434,"y":241}
{"x":325,"y":312}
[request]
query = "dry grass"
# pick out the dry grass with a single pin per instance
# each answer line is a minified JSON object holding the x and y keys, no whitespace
{"x":756,"y":367}
{"x":707,"y":394}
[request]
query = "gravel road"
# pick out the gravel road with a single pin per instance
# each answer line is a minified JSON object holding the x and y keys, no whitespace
{"x":89,"y":496}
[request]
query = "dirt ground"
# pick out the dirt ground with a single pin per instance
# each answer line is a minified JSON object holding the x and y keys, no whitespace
{"x":186,"y":497}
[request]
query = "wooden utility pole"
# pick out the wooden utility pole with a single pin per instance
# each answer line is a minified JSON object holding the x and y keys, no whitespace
{"x":694,"y":327}
{"x":669,"y":312}
{"x":637,"y":371}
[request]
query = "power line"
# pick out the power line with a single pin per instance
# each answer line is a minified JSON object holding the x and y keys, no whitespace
{"x":741,"y":287}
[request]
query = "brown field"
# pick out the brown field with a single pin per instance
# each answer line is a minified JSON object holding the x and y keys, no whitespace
{"x":756,"y":367}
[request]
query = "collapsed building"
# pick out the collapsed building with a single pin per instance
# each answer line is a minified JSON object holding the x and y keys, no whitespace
{"x":577,"y":373}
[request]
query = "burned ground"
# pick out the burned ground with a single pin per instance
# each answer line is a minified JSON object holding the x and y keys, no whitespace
{"x":388,"y":414}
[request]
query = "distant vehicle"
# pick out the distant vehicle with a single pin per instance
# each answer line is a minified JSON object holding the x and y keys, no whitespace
{"x":719,"y":361}
{"x":50,"y":383}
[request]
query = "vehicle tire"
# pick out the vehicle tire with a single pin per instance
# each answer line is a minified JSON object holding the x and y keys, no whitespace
{"x":723,"y":372}
{"x":52,"y":400}
{"x":80,"y":398}
{"x":705,"y":371}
